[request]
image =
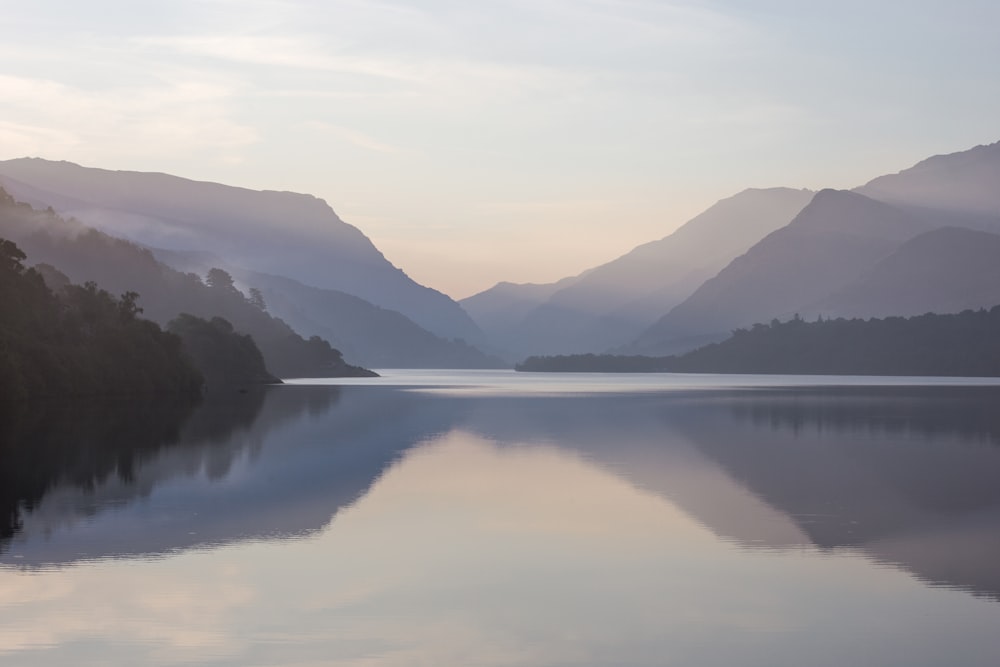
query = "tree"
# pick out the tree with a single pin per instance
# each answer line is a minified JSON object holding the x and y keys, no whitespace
{"x":257,"y":299}
{"x":220,"y":280}
{"x":11,"y":257}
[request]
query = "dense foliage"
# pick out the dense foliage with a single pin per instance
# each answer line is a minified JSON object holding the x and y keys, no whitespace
{"x":964,"y":344}
{"x":86,"y":255}
{"x":81,"y":341}
{"x":223,"y":356}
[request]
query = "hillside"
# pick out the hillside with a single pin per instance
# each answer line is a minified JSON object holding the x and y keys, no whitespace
{"x":612,"y":303}
{"x":958,"y":182}
{"x":86,"y":255}
{"x":366,"y":334}
{"x":281,"y":233}
{"x":81,"y":341}
{"x":837,"y":237}
{"x":946,"y":270}
{"x":965,"y":344}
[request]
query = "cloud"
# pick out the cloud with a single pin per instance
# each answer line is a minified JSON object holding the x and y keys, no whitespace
{"x":164,"y":118}
{"x":351,"y":136}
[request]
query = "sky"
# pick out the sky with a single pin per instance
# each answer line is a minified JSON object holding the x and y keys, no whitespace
{"x":513,"y":140}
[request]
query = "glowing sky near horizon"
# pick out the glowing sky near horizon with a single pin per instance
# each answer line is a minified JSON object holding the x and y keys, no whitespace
{"x":507,"y":140}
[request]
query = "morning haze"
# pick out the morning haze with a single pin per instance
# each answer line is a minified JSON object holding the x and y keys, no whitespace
{"x":513,"y":141}
{"x":588,"y":333}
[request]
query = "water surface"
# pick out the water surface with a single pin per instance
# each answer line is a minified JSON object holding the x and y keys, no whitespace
{"x":504,"y":519}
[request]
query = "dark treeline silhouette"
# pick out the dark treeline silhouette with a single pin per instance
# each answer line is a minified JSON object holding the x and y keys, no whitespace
{"x":61,"y":339}
{"x":964,"y":344}
{"x":223,"y":356}
{"x":81,"y":340}
{"x":119,"y":266}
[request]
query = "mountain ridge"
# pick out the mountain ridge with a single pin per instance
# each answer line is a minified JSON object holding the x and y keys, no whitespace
{"x":610,"y":304}
{"x":280,"y":232}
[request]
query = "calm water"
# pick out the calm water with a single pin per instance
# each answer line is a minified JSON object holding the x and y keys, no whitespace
{"x":464,"y":519}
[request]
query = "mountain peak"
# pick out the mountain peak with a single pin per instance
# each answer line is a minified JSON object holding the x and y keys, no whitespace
{"x":965,"y":181}
{"x":282,"y":233}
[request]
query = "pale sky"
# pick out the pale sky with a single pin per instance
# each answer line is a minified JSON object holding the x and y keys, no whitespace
{"x":501,"y":140}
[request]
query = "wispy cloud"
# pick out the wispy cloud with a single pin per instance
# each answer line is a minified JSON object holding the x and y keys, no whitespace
{"x":351,"y":136}
{"x":279,"y":51}
{"x":165,"y":118}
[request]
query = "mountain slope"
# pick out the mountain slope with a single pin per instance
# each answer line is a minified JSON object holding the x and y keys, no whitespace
{"x":365,"y":333}
{"x":610,"y":304}
{"x":85,"y":254}
{"x":837,"y":237}
{"x":283,"y":233}
{"x":500,"y":308}
{"x":946,"y":270}
{"x":825,"y":249}
{"x":967,"y":181}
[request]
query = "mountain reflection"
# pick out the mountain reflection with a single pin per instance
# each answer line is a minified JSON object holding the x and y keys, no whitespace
{"x":909,"y":477}
{"x":81,"y":443}
{"x":139,"y":479}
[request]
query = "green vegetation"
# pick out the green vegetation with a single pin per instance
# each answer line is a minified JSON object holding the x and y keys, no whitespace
{"x":966,"y":344}
{"x":223,"y":356}
{"x":81,"y":341}
{"x":86,"y":255}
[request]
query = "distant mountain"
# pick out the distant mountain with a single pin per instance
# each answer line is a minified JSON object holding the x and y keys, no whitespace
{"x":500,"y":309}
{"x":968,"y":181}
{"x":837,"y":237}
{"x":281,"y":233}
{"x":946,"y":270}
{"x":814,"y":265}
{"x":612,"y":303}
{"x":965,"y":344}
{"x":366,"y":334}
{"x":119,"y":266}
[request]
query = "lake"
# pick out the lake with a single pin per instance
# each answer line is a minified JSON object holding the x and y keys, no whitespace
{"x":447,"y":518}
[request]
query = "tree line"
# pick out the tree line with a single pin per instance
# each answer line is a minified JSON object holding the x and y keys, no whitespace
{"x":965,"y":344}
{"x":87,"y":255}
{"x":81,"y":340}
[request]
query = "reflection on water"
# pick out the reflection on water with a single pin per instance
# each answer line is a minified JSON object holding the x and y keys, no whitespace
{"x":384,"y":525}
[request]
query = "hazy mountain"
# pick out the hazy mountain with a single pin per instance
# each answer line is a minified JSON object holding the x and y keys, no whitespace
{"x":837,"y":237}
{"x":968,"y":181}
{"x":814,"y":265}
{"x":282,"y":233}
{"x":500,"y":309}
{"x":610,"y":304}
{"x":942,"y":271}
{"x":87,"y":255}
{"x":907,"y":479}
{"x":365,"y":333}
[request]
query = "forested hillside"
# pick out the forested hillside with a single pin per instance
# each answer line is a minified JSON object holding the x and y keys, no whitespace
{"x":86,"y":255}
{"x":966,"y":344}
{"x":81,"y":341}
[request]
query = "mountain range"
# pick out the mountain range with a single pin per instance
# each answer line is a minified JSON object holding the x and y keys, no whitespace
{"x":612,"y":304}
{"x":320,"y":274}
{"x":924,"y":239}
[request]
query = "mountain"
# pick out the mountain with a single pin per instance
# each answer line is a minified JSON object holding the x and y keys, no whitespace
{"x":814,"y":265}
{"x":964,"y":182}
{"x":838,"y":236}
{"x":612,"y":303}
{"x":280,"y":233}
{"x":87,"y":255}
{"x":500,"y":309}
{"x":365,"y":333}
{"x":946,"y":270}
